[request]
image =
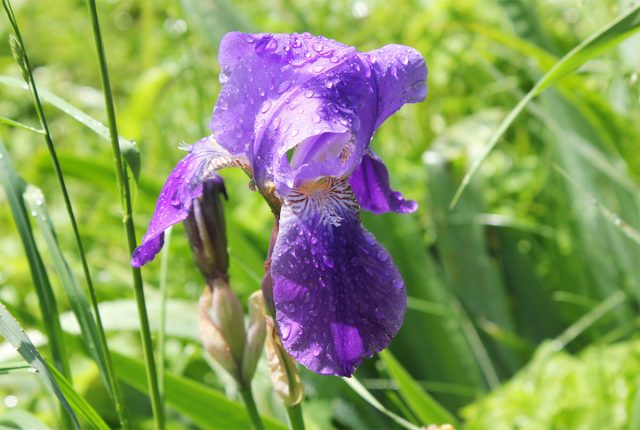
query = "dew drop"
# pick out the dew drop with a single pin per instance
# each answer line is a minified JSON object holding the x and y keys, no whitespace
{"x":378,"y":313}
{"x":404,"y":60}
{"x":294,"y":132}
{"x":284,"y":86}
{"x":261,"y":92}
{"x":356,"y":124}
{"x":328,"y":261}
{"x":296,"y":43}
{"x":249,"y":39}
{"x":265,"y":106}
{"x":317,"y":46}
{"x":382,"y":256}
{"x":328,"y":84}
{"x":276,"y":123}
{"x":316,"y":118}
{"x":285,"y":331}
{"x":308,"y":93}
{"x":316,"y":349}
{"x":300,"y":111}
{"x":314,"y":241}
{"x":317,"y":69}
{"x":239,"y":133}
{"x":222,"y":104}
{"x":334,"y":59}
{"x":398,"y":283}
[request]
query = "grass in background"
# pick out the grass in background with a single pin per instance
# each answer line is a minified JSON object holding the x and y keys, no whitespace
{"x":524,"y":298}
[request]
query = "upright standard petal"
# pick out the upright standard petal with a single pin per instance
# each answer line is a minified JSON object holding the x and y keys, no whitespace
{"x":370,"y":184}
{"x":401,"y":74}
{"x":338,"y":295}
{"x":183,"y":185}
{"x":282,"y":92}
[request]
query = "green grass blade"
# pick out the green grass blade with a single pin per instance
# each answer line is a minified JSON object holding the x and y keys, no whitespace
{"x":425,"y":407}
{"x":11,"y":330}
{"x":12,"y":123}
{"x":21,"y":419}
{"x":7,"y":368}
{"x":14,"y":186}
{"x":624,"y":227}
{"x":76,"y":296}
{"x":206,"y":407}
{"x":79,"y":403}
{"x":360,"y":389}
{"x":122,"y":177}
{"x":128,"y":148}
{"x":610,"y":35}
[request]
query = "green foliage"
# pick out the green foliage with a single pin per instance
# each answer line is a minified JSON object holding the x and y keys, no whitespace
{"x":523,"y":299}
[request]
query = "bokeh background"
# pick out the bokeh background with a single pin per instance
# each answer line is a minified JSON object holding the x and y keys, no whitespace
{"x":523,"y":300}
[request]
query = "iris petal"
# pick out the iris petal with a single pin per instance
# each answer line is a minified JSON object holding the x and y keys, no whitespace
{"x":401,"y":74}
{"x":370,"y":183}
{"x":280,"y":91}
{"x":183,"y":185}
{"x":338,"y":295}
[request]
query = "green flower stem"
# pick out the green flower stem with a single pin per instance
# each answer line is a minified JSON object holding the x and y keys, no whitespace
{"x":295,"y":417}
{"x":28,"y":75}
{"x":250,"y":404}
{"x":125,"y":194}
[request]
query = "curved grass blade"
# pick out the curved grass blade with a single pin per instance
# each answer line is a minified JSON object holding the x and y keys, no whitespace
{"x":425,"y":407}
{"x":79,"y":403}
{"x":11,"y":330}
{"x":360,"y":389}
{"x":22,"y":419}
{"x":613,"y":33}
{"x":76,"y":296}
{"x":207,"y":408}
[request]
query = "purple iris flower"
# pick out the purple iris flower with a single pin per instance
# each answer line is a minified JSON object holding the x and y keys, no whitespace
{"x":298,"y":112}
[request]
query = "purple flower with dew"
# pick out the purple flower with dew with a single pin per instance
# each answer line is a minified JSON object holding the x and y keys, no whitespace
{"x":298,"y":112}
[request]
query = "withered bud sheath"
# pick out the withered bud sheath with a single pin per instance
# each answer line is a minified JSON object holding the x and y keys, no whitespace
{"x":207,"y":232}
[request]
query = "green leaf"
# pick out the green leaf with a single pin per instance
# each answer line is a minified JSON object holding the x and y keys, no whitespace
{"x":368,"y":397}
{"x":425,"y":407}
{"x":11,"y":330}
{"x":129,"y":149}
{"x":79,"y":403}
{"x":610,"y":35}
{"x":206,"y":407}
{"x":77,"y":298}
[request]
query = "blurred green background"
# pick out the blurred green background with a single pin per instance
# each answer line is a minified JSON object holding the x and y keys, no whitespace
{"x":523,"y":300}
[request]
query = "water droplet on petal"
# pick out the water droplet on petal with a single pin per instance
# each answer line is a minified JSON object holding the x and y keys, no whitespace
{"x":276,"y":123}
{"x":285,"y":331}
{"x":398,"y":283}
{"x":316,"y":349}
{"x":314,"y":241}
{"x":317,"y":69}
{"x":294,"y":132}
{"x":284,"y":86}
{"x":317,"y":46}
{"x":404,"y":60}
{"x":356,"y":124}
{"x":222,"y":104}
{"x":328,"y":261}
{"x":383,"y":256}
{"x":238,"y":133}
{"x":334,"y":59}
{"x":265,"y":106}
{"x":379,"y":313}
{"x":249,"y":39}
{"x":328,"y":84}
{"x":308,"y":93}
{"x":316,"y":118}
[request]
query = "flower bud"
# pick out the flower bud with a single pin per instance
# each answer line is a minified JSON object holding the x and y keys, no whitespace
{"x":206,"y":230}
{"x":222,"y":327}
{"x":256,"y":333}
{"x":284,"y":373}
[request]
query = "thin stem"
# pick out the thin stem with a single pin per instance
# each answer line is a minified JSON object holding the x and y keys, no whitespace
{"x":26,"y":66}
{"x":125,"y":194}
{"x":295,"y":417}
{"x":250,"y":404}
{"x":9,"y":121}
{"x":164,"y":273}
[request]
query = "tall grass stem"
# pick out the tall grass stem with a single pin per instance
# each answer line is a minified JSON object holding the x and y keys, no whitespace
{"x":125,"y":194}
